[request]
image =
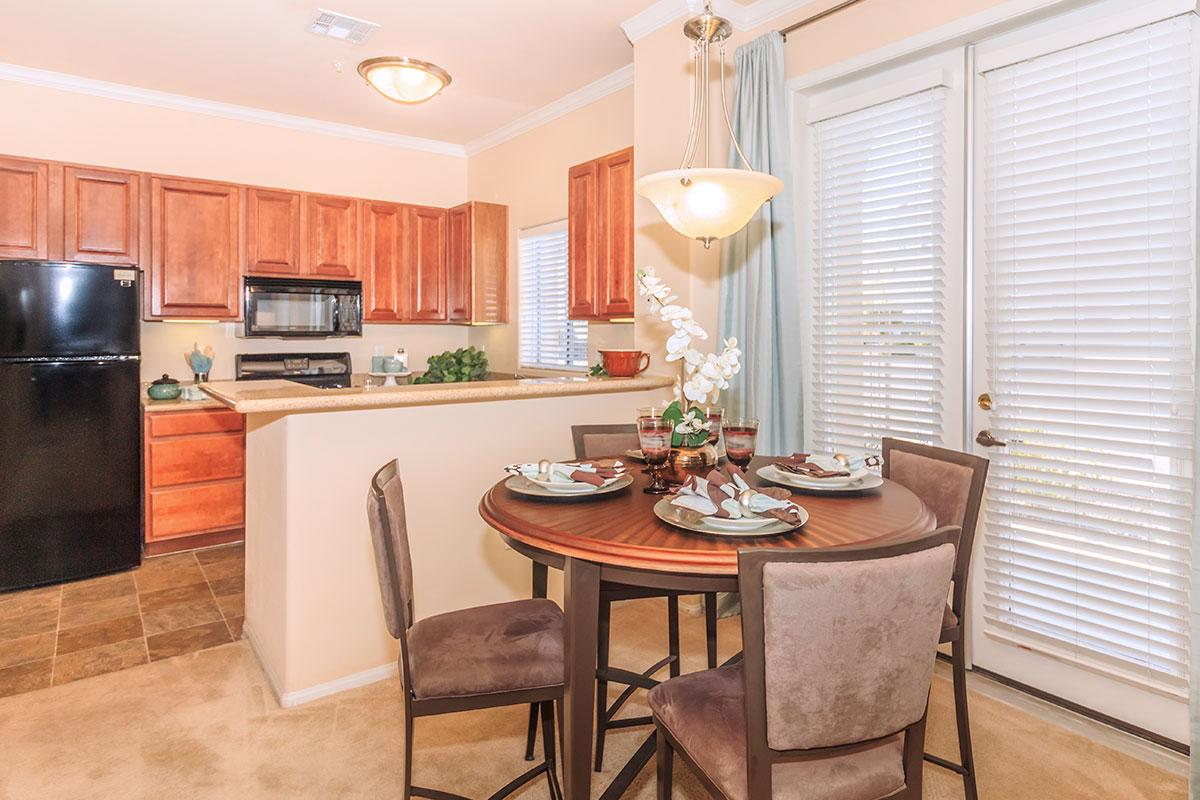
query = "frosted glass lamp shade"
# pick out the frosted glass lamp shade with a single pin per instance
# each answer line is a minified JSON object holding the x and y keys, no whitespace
{"x":404,"y":80}
{"x":708,"y":203}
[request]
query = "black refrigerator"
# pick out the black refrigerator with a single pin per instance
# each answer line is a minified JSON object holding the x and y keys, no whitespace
{"x":70,"y":421}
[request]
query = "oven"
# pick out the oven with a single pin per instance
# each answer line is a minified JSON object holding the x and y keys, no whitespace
{"x":285,"y":308}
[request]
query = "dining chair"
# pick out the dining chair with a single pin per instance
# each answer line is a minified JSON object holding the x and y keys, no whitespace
{"x":832,"y":694}
{"x":476,"y":658}
{"x":951,"y":484}
{"x":596,"y":441}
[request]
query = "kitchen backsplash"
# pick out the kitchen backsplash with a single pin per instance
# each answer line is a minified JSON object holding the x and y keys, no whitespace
{"x":164,"y":343}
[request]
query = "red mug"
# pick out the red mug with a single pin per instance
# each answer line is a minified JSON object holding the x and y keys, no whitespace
{"x":624,"y":363}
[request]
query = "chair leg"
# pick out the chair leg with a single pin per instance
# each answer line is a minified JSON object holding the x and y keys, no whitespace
{"x":666,"y":763}
{"x":673,"y":633}
{"x":408,"y":752}
{"x":958,"y":662}
{"x":531,"y":734}
{"x":710,"y":627}
{"x":602,"y":642}
{"x":548,"y":745}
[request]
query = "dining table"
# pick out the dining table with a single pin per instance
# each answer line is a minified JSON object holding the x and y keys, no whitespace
{"x":616,"y":538}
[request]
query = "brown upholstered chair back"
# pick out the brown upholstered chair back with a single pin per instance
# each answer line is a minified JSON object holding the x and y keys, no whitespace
{"x":389,"y":535}
{"x":594,"y":441}
{"x":951,"y":484}
{"x":839,"y":647}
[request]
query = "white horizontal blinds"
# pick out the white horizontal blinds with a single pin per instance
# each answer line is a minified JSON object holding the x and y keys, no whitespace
{"x":879,"y":273}
{"x":548,"y":340}
{"x":1089,"y":325}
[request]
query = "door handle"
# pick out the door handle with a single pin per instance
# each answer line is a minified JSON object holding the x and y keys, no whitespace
{"x":985,"y":439}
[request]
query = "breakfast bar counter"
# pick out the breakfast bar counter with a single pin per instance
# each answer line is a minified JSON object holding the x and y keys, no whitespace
{"x":313,"y":611}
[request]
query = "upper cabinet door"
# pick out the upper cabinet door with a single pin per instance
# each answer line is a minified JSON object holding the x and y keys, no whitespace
{"x":194,"y":249}
{"x":333,"y":236}
{"x":460,"y":263}
{"x":382,"y":260}
{"x":100,"y":215}
{"x":616,"y":283}
{"x":24,"y":208}
{"x":274,"y":245}
{"x":584,"y":240}
{"x":489,"y":263}
{"x":425,"y":263}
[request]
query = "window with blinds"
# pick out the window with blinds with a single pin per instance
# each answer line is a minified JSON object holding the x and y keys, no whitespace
{"x":548,"y":340}
{"x":879,"y":274}
{"x":1089,"y":214}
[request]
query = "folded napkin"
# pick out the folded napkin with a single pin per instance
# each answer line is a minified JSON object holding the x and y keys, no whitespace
{"x":570,"y":472}
{"x":727,"y":495}
{"x":799,"y":464}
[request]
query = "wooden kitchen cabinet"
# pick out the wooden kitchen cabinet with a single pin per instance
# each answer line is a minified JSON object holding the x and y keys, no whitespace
{"x":478,"y":259}
{"x":425,"y":264}
{"x":195,"y":247}
{"x":24,"y":208}
{"x":194,"y":469}
{"x":274,"y":245}
{"x":332,"y":224}
{"x":600,"y":238}
{"x":382,"y":261}
{"x":101,"y":213}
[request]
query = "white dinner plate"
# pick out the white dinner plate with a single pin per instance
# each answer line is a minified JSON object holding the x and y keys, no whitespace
{"x":775,"y":475}
{"x":673,"y":515}
{"x":525,"y":486}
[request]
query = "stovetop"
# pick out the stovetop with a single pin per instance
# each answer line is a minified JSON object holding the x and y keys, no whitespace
{"x":319,"y":370}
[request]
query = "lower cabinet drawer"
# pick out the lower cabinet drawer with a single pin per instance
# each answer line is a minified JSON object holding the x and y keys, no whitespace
{"x":193,"y":459}
{"x":195,"y":509}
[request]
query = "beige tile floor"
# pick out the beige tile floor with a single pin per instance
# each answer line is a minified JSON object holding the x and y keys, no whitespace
{"x":169,"y":606}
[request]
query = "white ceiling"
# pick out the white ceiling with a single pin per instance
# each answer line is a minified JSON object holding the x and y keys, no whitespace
{"x":507,"y":58}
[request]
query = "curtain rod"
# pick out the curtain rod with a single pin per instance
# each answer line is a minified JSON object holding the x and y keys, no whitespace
{"x":795,"y":26}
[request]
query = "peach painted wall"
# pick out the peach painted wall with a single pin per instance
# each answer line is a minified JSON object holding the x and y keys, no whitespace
{"x":66,"y":126}
{"x":529,"y":175}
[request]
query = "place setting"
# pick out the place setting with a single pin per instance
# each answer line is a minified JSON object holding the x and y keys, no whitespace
{"x":724,"y":504}
{"x":834,"y":474}
{"x":556,"y":480}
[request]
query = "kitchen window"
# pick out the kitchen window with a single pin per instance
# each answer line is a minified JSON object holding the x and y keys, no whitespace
{"x":548,"y":340}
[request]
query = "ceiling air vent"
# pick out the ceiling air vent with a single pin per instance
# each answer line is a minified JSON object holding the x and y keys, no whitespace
{"x":340,"y":26}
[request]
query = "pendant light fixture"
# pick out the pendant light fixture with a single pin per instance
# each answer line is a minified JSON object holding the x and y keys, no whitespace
{"x":404,"y":80}
{"x":707,"y":203}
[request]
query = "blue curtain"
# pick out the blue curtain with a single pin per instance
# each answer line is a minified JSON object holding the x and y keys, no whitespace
{"x":760,"y":287}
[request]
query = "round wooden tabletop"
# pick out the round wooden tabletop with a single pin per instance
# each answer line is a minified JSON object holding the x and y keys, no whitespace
{"x":621,"y":529}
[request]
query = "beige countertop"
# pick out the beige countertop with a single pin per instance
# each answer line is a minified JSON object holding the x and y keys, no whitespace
{"x":271,"y":396}
{"x":177,"y":405}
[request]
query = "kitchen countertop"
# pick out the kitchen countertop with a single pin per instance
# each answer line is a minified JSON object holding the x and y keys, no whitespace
{"x":177,"y":405}
{"x":281,"y":396}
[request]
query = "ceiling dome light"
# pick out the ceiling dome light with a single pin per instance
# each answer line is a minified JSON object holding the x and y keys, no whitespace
{"x":404,"y":80}
{"x":707,"y":203}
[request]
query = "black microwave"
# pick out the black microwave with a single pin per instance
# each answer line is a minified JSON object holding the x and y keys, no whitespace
{"x":284,"y":308}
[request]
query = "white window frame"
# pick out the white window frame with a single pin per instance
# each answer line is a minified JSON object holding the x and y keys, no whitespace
{"x":821,"y":102}
{"x":559,"y":226}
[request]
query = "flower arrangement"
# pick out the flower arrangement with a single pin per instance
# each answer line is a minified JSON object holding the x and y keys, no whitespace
{"x":702,"y":376}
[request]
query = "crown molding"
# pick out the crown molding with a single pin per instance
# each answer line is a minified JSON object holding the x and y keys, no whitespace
{"x":743,"y":18}
{"x":613,"y":82}
{"x":213,"y":108}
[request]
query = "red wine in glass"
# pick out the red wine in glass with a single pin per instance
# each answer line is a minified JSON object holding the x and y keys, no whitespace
{"x":740,"y":438}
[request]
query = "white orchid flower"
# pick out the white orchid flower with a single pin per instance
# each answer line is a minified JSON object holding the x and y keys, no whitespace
{"x":677,"y":345}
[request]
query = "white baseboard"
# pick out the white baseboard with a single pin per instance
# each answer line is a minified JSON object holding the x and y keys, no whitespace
{"x":335,"y":686}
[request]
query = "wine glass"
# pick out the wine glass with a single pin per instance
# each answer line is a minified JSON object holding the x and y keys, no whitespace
{"x":654,"y":435}
{"x":740,"y":437}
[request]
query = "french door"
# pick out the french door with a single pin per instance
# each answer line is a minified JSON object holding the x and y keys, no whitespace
{"x":999,"y":255}
{"x":1082,"y":390}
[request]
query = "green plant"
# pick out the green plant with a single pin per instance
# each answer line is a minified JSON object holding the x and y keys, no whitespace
{"x":598,"y":370}
{"x":692,"y":434}
{"x":455,"y":366}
